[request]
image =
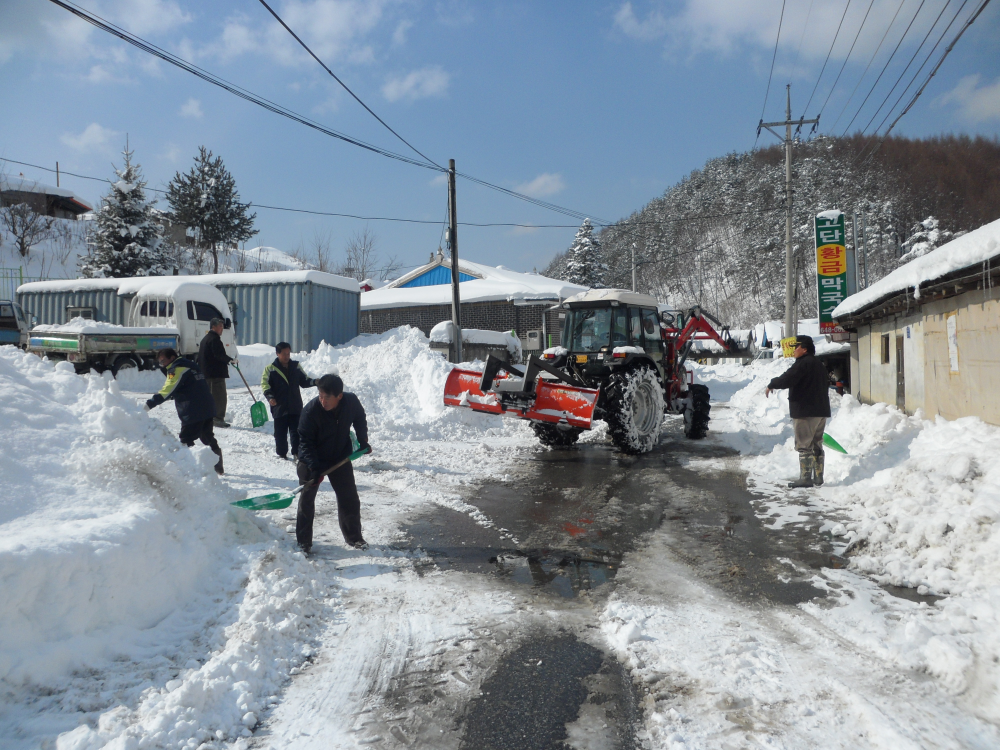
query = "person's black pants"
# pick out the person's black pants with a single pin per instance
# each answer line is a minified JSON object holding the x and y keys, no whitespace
{"x":202,"y":431}
{"x":284,"y":427}
{"x":348,"y":505}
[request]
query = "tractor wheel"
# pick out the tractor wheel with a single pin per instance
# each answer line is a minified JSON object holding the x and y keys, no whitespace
{"x":696,"y":413}
{"x":634,"y":409}
{"x":555,"y":436}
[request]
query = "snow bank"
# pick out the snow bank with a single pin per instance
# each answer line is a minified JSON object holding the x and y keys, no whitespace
{"x":116,"y":543}
{"x":444,"y":333}
{"x":978,"y":246}
{"x":86,"y":325}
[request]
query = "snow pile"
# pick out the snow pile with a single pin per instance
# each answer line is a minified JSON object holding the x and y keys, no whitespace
{"x":117,"y":543}
{"x":87,"y":325}
{"x":444,"y":333}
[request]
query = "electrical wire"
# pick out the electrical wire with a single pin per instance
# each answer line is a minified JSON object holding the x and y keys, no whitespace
{"x":908,"y":64}
{"x":805,"y":28}
{"x":930,"y":75}
{"x":767,"y":91}
{"x":823,"y":69}
{"x":849,"y":53}
{"x":348,"y":90}
{"x":870,"y":61}
{"x":886,"y":66}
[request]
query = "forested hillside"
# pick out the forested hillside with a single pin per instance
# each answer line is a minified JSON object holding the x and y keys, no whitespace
{"x":717,"y":238}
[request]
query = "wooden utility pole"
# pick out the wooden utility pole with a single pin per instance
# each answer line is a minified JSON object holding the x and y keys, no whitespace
{"x":791,"y":323}
{"x":456,"y":301}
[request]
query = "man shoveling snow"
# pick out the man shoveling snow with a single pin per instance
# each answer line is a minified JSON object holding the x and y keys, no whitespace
{"x":809,"y":406}
{"x":193,"y":399}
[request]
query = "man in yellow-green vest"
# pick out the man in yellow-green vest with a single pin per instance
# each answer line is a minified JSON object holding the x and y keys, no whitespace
{"x":281,"y":382}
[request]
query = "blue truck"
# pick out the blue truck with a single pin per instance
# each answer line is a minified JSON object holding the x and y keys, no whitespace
{"x":14,"y":325}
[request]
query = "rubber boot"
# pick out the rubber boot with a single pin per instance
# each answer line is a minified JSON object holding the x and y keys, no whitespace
{"x":819,"y":462}
{"x":805,"y":479}
{"x":218,"y":467}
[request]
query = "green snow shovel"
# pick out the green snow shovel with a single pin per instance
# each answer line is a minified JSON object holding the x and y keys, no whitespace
{"x":279,"y":500}
{"x":258,"y":412}
{"x":829,"y":442}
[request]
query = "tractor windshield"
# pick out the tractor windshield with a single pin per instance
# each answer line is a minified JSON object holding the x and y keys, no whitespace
{"x":588,"y":330}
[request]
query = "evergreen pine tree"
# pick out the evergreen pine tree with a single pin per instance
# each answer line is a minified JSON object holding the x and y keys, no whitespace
{"x":206,"y":200}
{"x":584,"y":262}
{"x":128,"y":238}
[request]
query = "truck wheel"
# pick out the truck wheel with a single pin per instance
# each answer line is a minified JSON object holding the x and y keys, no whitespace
{"x":123,"y":362}
{"x":634,"y":410}
{"x":696,"y":413}
{"x":554,"y":435}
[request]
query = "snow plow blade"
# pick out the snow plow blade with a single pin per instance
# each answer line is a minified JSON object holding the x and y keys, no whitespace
{"x":548,"y":401}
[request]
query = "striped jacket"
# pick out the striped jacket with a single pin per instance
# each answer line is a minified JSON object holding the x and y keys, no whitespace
{"x":189,"y":390}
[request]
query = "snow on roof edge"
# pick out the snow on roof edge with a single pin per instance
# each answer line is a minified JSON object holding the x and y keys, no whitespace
{"x":134,"y":283}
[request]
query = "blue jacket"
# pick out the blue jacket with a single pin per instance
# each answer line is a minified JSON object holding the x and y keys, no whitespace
{"x":325,"y":436}
{"x":189,"y":390}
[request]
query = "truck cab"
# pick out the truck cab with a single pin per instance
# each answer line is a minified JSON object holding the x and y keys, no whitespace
{"x":13,"y":324}
{"x":188,"y":306}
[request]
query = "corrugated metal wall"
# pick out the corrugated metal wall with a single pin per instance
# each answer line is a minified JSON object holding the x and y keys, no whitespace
{"x":50,"y":307}
{"x":303,"y":314}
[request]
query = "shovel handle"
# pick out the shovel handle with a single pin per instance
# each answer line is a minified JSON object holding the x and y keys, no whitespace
{"x":332,"y":469}
{"x":245,"y":382}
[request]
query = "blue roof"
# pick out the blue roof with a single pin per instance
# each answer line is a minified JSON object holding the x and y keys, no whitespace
{"x":434,"y":277}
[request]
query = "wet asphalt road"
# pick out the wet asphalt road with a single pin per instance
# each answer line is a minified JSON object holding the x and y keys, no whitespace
{"x":574,"y":514}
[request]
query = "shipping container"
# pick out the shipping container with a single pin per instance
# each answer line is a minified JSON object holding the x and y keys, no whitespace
{"x":300,"y":307}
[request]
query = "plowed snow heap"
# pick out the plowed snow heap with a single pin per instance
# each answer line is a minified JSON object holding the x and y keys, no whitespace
{"x":623,"y":362}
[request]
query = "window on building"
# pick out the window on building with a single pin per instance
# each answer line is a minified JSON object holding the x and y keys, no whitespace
{"x":885,"y":348}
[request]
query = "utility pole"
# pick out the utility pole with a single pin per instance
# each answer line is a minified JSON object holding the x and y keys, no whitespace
{"x":633,"y":266}
{"x":791,"y":327}
{"x":456,"y":301}
{"x":57,"y":174}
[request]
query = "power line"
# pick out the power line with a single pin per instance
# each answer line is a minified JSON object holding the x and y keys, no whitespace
{"x":348,"y":90}
{"x":912,"y":58}
{"x":930,"y":75}
{"x":849,"y":53}
{"x":179,"y":62}
{"x":805,"y":28}
{"x":870,"y":61}
{"x":767,"y":91}
{"x":886,"y":66}
{"x":823,"y":69}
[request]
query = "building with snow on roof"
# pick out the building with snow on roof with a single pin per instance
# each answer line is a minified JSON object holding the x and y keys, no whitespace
{"x":46,"y":200}
{"x":927,"y":336}
{"x":492,"y":298}
{"x":300,"y":307}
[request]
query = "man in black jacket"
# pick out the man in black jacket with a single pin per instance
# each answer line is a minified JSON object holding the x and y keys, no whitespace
{"x":809,"y":404}
{"x":325,"y":439}
{"x":214,"y":364}
{"x":281,"y":382}
{"x":187,"y":387}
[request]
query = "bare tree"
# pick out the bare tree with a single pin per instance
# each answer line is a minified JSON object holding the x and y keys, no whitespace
{"x":390,"y":268}
{"x":360,"y":256}
{"x":26,"y":227}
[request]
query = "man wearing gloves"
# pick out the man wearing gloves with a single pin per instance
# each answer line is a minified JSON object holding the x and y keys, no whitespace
{"x":213,"y":361}
{"x":809,"y":405}
{"x":325,"y":439}
{"x":281,"y":383}
{"x":195,"y":406}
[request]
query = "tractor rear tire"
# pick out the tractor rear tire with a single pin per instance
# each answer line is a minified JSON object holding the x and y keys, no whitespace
{"x":696,"y":413}
{"x":555,"y":436}
{"x":634,"y":409}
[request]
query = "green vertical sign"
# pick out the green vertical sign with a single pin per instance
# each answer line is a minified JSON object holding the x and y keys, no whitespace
{"x":831,"y":267}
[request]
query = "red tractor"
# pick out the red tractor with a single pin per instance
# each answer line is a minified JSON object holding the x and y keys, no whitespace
{"x":622,"y":361}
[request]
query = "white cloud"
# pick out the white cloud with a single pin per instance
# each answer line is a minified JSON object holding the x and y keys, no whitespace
{"x":192,"y":108}
{"x":654,"y":27}
{"x":399,"y":35}
{"x":441,"y":179}
{"x":94,"y":138}
{"x":976,"y":103}
{"x":418,"y":84}
{"x":543,"y":185}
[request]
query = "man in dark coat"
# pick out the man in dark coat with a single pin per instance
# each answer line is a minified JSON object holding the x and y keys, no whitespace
{"x":809,"y":405}
{"x":325,"y":439}
{"x":187,"y":387}
{"x":214,"y":364}
{"x":281,"y":382}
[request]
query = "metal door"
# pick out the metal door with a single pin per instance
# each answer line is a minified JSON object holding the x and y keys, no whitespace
{"x":900,"y":379}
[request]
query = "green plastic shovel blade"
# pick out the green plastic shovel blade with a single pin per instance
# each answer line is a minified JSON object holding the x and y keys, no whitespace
{"x":829,"y":442}
{"x":274,"y":501}
{"x":258,"y":413}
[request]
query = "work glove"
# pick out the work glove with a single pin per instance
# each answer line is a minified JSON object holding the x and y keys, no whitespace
{"x":147,"y":406}
{"x":366,"y":447}
{"x":315,"y":477}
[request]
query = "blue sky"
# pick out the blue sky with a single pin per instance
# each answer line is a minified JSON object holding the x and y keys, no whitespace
{"x":595,"y":106}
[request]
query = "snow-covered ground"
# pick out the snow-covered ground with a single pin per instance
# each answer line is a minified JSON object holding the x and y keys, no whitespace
{"x":914,"y":504}
{"x":141,"y":610}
